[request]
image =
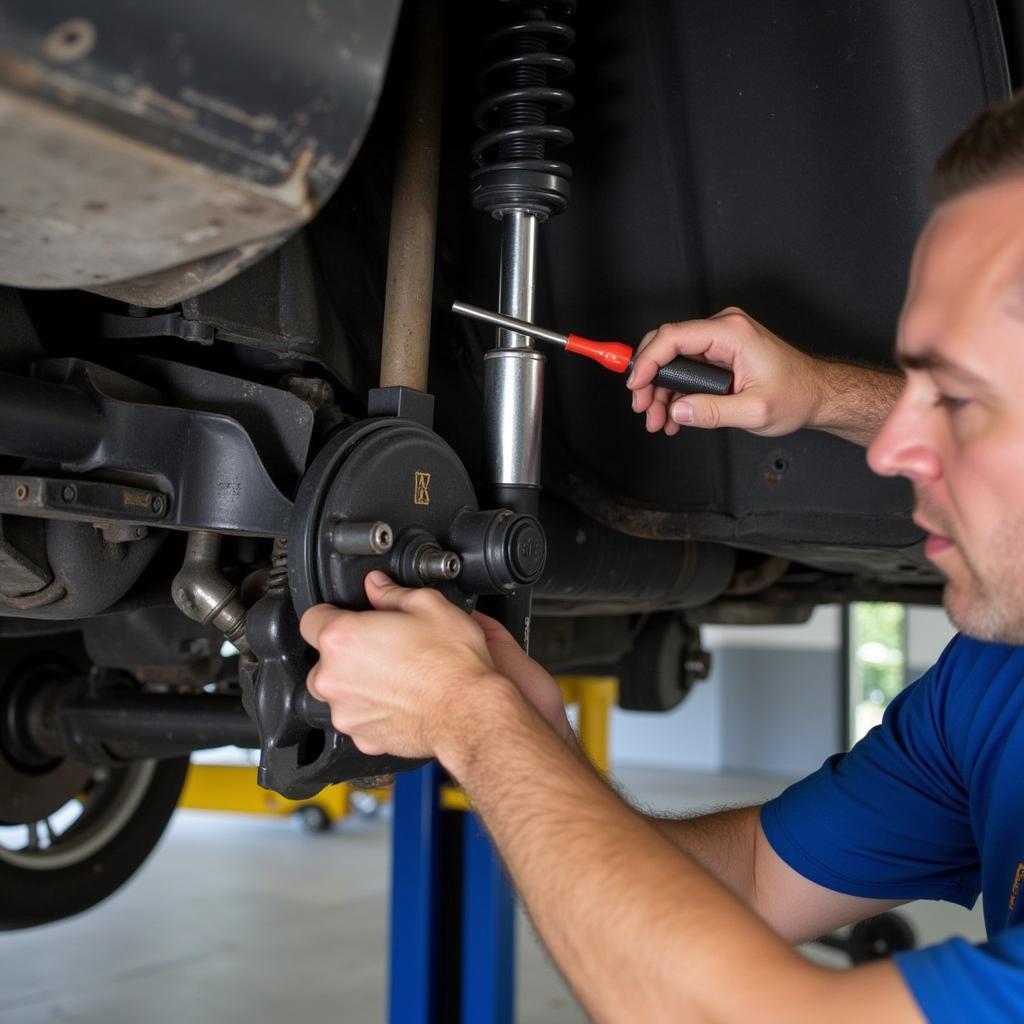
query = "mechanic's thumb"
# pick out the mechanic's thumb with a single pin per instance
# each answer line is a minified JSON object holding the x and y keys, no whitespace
{"x":383,"y":592}
{"x":710,"y":411}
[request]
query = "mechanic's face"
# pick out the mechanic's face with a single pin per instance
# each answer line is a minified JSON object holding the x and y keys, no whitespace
{"x":957,"y":432}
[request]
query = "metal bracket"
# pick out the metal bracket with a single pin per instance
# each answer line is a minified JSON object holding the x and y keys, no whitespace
{"x":162,"y":325}
{"x":83,"y":500}
{"x":404,"y":403}
{"x":86,"y":419}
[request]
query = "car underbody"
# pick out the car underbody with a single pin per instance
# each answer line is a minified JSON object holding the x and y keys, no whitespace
{"x":225,"y":242}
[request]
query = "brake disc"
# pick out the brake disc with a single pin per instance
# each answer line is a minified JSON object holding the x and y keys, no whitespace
{"x":32,"y":785}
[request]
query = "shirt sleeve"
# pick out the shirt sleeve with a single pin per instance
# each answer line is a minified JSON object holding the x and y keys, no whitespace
{"x":890,"y":819}
{"x":956,"y":981}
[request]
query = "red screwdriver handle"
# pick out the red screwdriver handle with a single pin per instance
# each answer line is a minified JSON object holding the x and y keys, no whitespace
{"x":686,"y":376}
{"x":612,"y":355}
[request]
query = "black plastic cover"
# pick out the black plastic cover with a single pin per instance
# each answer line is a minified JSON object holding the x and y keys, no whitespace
{"x":768,"y":156}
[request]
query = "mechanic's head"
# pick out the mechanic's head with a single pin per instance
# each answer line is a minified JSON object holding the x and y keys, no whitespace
{"x":957,"y":432}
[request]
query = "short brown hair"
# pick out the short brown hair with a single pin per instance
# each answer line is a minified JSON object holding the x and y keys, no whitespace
{"x":990,"y":149}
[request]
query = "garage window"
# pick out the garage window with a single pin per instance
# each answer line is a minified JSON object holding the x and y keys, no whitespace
{"x":876,"y":652}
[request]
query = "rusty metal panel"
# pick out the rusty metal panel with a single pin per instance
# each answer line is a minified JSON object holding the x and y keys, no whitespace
{"x":139,"y":138}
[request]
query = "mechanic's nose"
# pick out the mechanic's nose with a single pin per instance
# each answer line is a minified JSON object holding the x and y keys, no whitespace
{"x":903,"y":446}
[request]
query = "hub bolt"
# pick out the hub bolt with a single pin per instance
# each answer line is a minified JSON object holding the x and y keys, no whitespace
{"x":362,"y":538}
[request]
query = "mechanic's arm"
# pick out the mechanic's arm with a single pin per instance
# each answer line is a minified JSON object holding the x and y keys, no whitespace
{"x":729,"y":844}
{"x":641,"y":931}
{"x":777,"y":389}
{"x":732,"y":846}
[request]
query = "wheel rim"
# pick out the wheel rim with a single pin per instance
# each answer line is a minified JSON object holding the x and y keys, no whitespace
{"x":82,"y":826}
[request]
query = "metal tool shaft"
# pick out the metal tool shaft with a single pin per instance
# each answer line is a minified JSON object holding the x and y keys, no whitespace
{"x":510,"y":323}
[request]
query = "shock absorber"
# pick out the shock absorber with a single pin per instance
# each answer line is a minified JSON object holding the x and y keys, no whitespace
{"x":518,"y":182}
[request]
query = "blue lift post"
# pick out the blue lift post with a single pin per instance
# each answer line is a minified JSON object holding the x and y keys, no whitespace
{"x":416,"y":843}
{"x":438,"y":959}
{"x":449,"y":967}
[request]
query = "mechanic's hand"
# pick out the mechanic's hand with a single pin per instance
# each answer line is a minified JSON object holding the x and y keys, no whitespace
{"x":533,"y":681}
{"x":399,"y":680}
{"x":775,"y":389}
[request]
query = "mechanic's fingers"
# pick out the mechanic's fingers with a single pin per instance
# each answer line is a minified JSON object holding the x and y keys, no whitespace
{"x":367,"y":747}
{"x":642,"y":396}
{"x":693,"y":338}
{"x":492,"y":628}
{"x":642,"y":399}
{"x":386,"y":595}
{"x":657,"y":416}
{"x":312,"y":680}
{"x":646,"y":340}
{"x":747,"y":411}
{"x":501,"y":644}
{"x":316,"y":619}
{"x":664,"y":395}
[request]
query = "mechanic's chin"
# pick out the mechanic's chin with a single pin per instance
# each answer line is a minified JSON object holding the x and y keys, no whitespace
{"x":962,"y":607}
{"x":973,"y":608}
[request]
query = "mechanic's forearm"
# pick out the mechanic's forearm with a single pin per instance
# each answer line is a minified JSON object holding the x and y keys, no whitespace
{"x":640,"y":930}
{"x":723,"y":843}
{"x":854,"y":400}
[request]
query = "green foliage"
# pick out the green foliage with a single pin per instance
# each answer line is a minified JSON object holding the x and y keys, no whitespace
{"x":879,"y":659}
{"x":880,"y":621}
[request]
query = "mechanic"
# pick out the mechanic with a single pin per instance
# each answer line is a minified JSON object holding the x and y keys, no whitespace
{"x":655,"y":920}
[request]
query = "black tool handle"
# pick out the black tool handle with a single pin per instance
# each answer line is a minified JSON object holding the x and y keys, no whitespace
{"x":689,"y":377}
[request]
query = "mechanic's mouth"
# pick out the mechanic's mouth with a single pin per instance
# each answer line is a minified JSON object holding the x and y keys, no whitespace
{"x":935,"y":543}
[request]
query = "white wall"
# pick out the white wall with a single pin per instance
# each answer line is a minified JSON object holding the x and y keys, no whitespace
{"x":688,"y":738}
{"x":819,"y":633}
{"x":928,"y":632}
{"x":770,"y":706}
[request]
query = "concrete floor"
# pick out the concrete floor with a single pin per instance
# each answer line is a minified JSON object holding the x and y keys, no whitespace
{"x":252,"y":920}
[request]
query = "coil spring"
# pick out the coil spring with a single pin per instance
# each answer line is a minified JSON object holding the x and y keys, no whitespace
{"x":278,"y":577}
{"x":514,"y":117}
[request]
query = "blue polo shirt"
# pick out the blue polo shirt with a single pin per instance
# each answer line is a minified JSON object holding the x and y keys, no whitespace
{"x":930,"y":805}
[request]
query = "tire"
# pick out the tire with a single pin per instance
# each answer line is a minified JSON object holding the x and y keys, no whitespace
{"x":123,"y":815}
{"x":314,"y":818}
{"x":877,"y":938}
{"x":661,"y":669}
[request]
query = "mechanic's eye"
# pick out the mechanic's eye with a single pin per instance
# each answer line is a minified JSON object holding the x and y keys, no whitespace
{"x":951,"y":402}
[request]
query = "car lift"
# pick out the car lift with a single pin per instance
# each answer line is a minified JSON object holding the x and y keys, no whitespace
{"x":452,"y":950}
{"x":233,"y":788}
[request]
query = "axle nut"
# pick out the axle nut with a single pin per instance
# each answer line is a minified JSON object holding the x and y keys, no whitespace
{"x":526,"y":550}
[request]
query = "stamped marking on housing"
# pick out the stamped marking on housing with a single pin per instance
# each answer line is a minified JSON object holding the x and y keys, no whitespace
{"x":421,"y":488}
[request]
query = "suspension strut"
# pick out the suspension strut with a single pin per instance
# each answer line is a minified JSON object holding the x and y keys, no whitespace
{"x":518,"y":183}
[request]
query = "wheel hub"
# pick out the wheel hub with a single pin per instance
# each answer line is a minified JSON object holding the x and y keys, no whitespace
{"x":386,"y":471}
{"x":385,"y":494}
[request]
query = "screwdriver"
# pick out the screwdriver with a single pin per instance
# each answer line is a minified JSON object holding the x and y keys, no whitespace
{"x":687,"y":376}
